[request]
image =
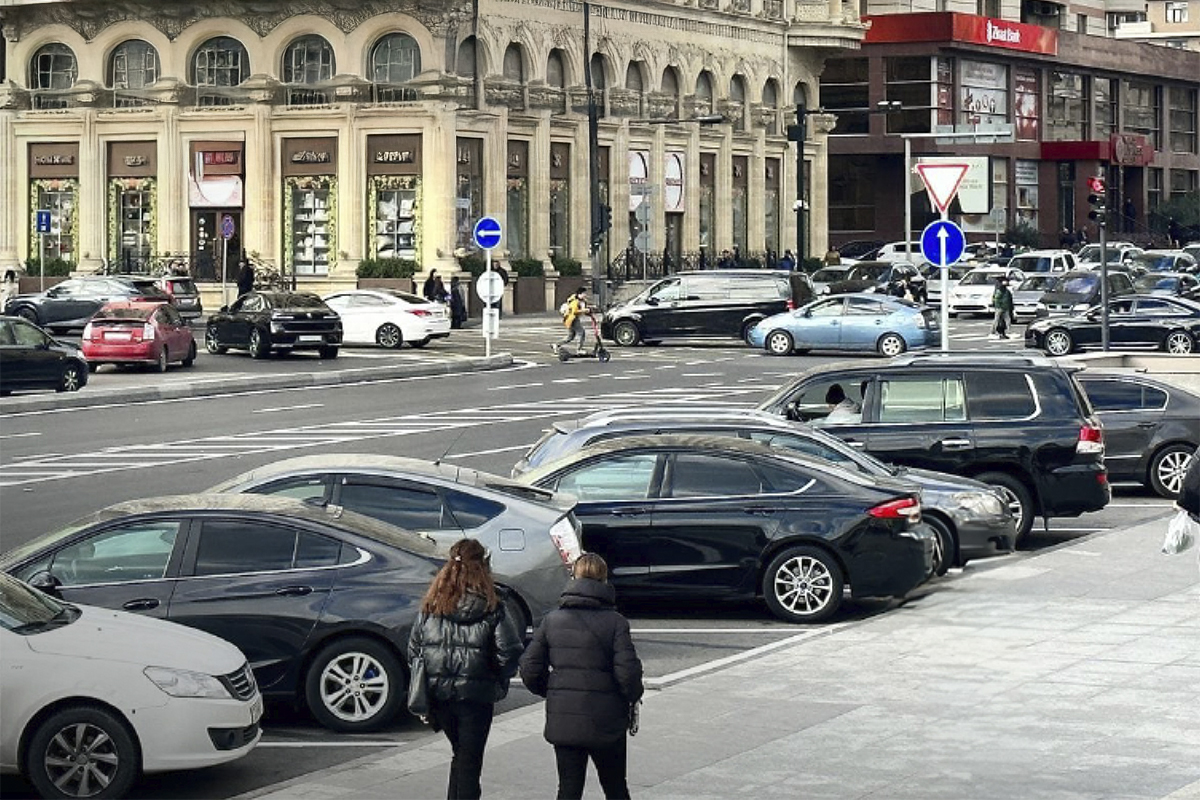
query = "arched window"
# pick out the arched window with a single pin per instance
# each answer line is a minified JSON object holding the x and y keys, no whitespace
{"x":599,"y":73}
{"x":800,"y":95}
{"x":53,"y":67}
{"x":556,"y":70}
{"x":308,"y":59}
{"x":670,"y":87}
{"x":467,"y":62}
{"x":633,"y":77}
{"x":770,"y":99}
{"x":737,"y":94}
{"x":395,"y":60}
{"x":704,"y":93}
{"x":221,"y":61}
{"x":133,"y":65}
{"x":514,"y":65}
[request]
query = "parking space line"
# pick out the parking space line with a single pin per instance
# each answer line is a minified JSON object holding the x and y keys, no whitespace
{"x":400,"y":743}
{"x":287,"y":408}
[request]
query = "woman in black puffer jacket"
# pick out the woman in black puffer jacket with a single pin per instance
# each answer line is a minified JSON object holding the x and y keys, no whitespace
{"x":470,"y":649}
{"x":582,"y":661}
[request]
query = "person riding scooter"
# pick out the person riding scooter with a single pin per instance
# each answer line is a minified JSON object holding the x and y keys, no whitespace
{"x":576,"y":309}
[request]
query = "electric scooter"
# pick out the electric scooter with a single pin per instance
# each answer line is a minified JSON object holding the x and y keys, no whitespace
{"x":599,"y":351}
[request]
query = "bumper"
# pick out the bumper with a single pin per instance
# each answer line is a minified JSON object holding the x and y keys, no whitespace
{"x":140,"y":353}
{"x":305,"y":341}
{"x":177,"y":735}
{"x":983,"y":538}
{"x":1075,"y":489}
{"x":968,"y":306}
{"x":188,"y":308}
{"x":757,"y":337}
{"x":890,"y":565}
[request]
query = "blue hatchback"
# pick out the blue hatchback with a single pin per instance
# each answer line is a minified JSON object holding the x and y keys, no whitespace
{"x":887,"y":325}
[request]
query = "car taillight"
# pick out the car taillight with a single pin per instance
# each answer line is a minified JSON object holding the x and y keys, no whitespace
{"x":791,"y":305}
{"x":419,"y":312}
{"x":147,"y":332}
{"x":1091,"y":440}
{"x":89,"y":333}
{"x":562,"y":533}
{"x":908,"y":508}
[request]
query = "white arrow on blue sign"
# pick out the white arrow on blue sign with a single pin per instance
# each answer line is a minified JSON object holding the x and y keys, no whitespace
{"x":487,"y":232}
{"x":943,"y":243}
{"x":43,"y":221}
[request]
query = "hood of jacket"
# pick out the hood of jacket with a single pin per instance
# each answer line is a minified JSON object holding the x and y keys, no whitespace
{"x":471,"y":608}
{"x":588,"y":593}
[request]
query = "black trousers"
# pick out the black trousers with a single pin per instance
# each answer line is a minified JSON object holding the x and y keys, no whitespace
{"x":466,"y":725}
{"x":610,"y":766}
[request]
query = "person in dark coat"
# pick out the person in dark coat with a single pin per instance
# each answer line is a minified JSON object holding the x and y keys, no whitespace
{"x":470,"y":649}
{"x":245,"y":278}
{"x":434,"y":290}
{"x":1189,"y":490}
{"x":458,"y":306}
{"x":583,"y":662}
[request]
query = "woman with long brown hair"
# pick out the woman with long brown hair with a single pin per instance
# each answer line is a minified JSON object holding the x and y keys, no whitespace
{"x":470,"y":650}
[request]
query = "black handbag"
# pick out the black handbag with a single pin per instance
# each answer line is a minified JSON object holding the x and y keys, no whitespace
{"x":418,"y":688}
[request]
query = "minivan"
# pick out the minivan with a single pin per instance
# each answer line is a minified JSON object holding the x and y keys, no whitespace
{"x":711,"y":303}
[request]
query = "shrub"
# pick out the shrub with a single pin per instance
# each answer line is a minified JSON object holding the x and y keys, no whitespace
{"x":568,"y":267}
{"x":473,"y":263}
{"x":1023,"y":235}
{"x":54,"y":267}
{"x":528,"y":267}
{"x":811,"y":264}
{"x":387,"y":268}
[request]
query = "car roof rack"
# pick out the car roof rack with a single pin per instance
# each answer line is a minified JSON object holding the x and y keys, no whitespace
{"x":981,"y":357}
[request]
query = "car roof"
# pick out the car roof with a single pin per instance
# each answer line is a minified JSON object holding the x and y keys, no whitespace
{"x":136,"y":303}
{"x":722,"y":416}
{"x":956,"y":358}
{"x":1040,"y":253}
{"x":729,"y":273}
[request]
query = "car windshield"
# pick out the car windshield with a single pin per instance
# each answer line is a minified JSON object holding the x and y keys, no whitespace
{"x":1078,"y":284}
{"x":140,"y":313}
{"x":979,"y":278}
{"x":829,"y":274}
{"x":1155,"y":262}
{"x":25,"y":610}
{"x":1032,"y":263}
{"x":296,"y":301}
{"x":1091,"y":253}
{"x":1149,"y":283}
{"x":1038,"y":283}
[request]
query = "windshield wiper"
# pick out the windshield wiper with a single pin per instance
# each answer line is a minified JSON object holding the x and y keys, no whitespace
{"x":65,"y":616}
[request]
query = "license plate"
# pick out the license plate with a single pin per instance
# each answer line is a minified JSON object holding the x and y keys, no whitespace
{"x":310,"y":339}
{"x":256,"y":709}
{"x":118,"y":336}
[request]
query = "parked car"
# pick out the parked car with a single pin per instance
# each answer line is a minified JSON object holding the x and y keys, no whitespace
{"x":532,"y":534}
{"x":1053,"y":261}
{"x":1027,"y":295}
{"x":973,"y":294}
{"x":1143,"y":322}
{"x":865,"y":322}
{"x":933,"y":280}
{"x":30,"y":358}
{"x":138,"y":333}
{"x":712,"y":518}
{"x":310,"y":595}
{"x":70,"y":304}
{"x":1193,"y":250}
{"x":1171,"y":284}
{"x":865,"y":276}
{"x":971,"y":519}
{"x":1168,"y":261}
{"x":1020,"y":423}
{"x":1078,"y":291}
{"x":1151,"y":428}
{"x":184,"y":295}
{"x":858,"y":250}
{"x":264,"y":321}
{"x":833,"y":275}
{"x":711,"y":303}
{"x":1117,"y":253}
{"x":94,"y":698}
{"x":896,"y":251}
{"x":389,"y":318}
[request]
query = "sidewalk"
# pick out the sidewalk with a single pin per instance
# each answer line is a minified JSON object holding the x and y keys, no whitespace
{"x":1074,"y":674}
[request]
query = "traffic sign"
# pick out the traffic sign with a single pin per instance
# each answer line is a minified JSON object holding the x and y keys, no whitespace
{"x":942,"y":181}
{"x":228,"y":227}
{"x":943,"y":243}
{"x":43,"y":221}
{"x":487,"y":232}
{"x":644,"y":241}
{"x":1096,"y":184}
{"x":489,"y":286}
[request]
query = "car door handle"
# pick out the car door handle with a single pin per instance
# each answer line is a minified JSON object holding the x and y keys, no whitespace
{"x":628,"y":512}
{"x":955,"y":444}
{"x":1147,"y":424}
{"x":758,"y":511}
{"x":141,"y":604}
{"x":294,"y":591}
{"x":854,"y":443}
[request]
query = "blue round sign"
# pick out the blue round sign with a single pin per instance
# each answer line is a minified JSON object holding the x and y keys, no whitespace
{"x":943,"y":243}
{"x":227,"y":226}
{"x":487,"y":232}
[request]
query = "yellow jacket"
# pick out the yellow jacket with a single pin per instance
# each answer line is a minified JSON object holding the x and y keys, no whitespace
{"x":575,"y":306}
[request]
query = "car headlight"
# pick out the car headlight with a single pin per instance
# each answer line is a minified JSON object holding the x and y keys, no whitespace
{"x":183,"y":683}
{"x":978,"y":502}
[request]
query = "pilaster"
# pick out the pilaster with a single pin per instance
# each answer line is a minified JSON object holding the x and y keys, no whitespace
{"x":93,"y":202}
{"x":10,"y":194}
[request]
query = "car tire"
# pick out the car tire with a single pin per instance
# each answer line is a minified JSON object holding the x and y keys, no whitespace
{"x":1179,"y":343}
{"x":355,"y":685}
{"x":160,"y":364}
{"x":1058,"y":342}
{"x":749,"y":326}
{"x":779,"y":343}
{"x":98,"y":736}
{"x":945,"y":553}
{"x":626,"y":334}
{"x":28,"y":314}
{"x":191,"y":356}
{"x":73,"y":377}
{"x":390,"y":336}
{"x":419,"y":343}
{"x":803,"y":584}
{"x":260,"y":344}
{"x":1018,"y":497}
{"x":210,"y":342}
{"x":891,"y":345}
{"x":1167,"y":468}
{"x":328,"y":352}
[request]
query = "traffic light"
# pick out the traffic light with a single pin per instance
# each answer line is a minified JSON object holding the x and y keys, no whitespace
{"x":1098,"y":202}
{"x":601,"y":224}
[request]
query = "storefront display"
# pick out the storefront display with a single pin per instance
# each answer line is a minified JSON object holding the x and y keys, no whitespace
{"x":516,"y":233}
{"x":771,"y":205}
{"x":54,"y":187}
{"x":309,"y":206}
{"x":560,"y":199}
{"x":468,"y":197}
{"x":708,"y":218}
{"x":215,"y":191}
{"x":132,"y":229}
{"x":740,"y":201}
{"x":984,"y":92}
{"x":394,"y":196}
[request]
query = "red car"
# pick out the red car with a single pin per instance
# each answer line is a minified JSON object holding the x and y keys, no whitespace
{"x":138,"y":333}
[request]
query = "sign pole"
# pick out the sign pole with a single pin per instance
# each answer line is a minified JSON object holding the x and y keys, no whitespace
{"x":941,"y":234}
{"x":42,"y":262}
{"x":224,"y":271}
{"x":487,"y":312}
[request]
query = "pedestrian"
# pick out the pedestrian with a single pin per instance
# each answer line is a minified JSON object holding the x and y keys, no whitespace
{"x":1002,"y":302}
{"x":832,"y":257}
{"x":470,"y":650}
{"x":458,"y":306}
{"x":1189,"y":489}
{"x":582,"y":660}
{"x":1129,"y":212}
{"x":666,"y":261}
{"x":245,"y":277}
{"x":575,"y":309}
{"x":1081,"y":238}
{"x":1174,"y":233}
{"x":433,"y":289}
{"x":9,"y":289}
{"x":788,"y":261}
{"x":1066,"y":239}
{"x":918,"y":287}
{"x":726,"y":260}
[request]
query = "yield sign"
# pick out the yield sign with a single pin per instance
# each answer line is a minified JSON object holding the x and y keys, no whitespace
{"x":942,"y":182}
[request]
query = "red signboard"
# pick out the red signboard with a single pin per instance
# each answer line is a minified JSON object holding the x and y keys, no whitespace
{"x":1130,"y":149}
{"x":947,"y":26}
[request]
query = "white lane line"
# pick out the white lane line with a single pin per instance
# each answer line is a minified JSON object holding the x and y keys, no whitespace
{"x":515,"y":386}
{"x":677,"y":631}
{"x":19,"y":435}
{"x":710,"y":666}
{"x":287,"y":408}
{"x":1147,"y":504}
{"x":332,"y":744}
{"x":700,"y":374}
{"x":488,"y":452}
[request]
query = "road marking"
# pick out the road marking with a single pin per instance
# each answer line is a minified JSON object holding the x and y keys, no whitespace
{"x":745,"y":655}
{"x":1147,"y":504}
{"x":19,"y":435}
{"x":333,"y":744}
{"x":676,"y":631}
{"x":488,"y":452}
{"x":287,"y":408}
{"x":515,"y":386}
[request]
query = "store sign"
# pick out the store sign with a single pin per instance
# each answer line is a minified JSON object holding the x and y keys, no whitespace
{"x":135,"y":161}
{"x":673,"y":197}
{"x":57,"y":160}
{"x":407,"y":157}
{"x":1130,"y":149}
{"x":946,"y":26}
{"x":214,"y":158}
{"x":311,"y":157}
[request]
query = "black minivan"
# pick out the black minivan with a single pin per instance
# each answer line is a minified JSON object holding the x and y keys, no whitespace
{"x":726,"y":302}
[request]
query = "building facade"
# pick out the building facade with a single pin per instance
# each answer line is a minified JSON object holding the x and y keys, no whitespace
{"x":323,"y":133}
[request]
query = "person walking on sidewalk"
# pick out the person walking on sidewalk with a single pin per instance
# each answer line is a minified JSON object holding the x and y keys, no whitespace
{"x":1002,"y":301}
{"x":576,"y":309}
{"x":470,"y":649}
{"x":245,"y":277}
{"x":583,"y":662}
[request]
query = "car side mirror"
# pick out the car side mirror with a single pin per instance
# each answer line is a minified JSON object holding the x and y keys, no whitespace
{"x":792,"y":411}
{"x":651,"y":301}
{"x":45,"y":581}
{"x":224,"y":308}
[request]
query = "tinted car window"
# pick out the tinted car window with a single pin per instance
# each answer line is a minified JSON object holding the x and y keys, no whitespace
{"x":864,"y":307}
{"x":134,"y":552}
{"x":314,"y":550}
{"x":706,"y":288}
{"x":667,"y":291}
{"x":694,"y":475}
{"x":626,"y":478}
{"x":308,"y":488}
{"x":827,"y":308}
{"x":124,"y":312}
{"x":470,"y":511}
{"x":921,"y":400}
{"x":404,"y":506}
{"x":234,"y":546}
{"x":999,"y":395}
{"x":1116,"y":395}
{"x":809,"y":447}
{"x":1157,"y":307}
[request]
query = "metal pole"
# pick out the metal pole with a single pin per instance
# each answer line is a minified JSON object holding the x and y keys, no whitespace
{"x":1104,"y":286}
{"x":487,"y":309}
{"x":224,"y":271}
{"x":802,"y":123}
{"x":41,"y":263}
{"x":945,"y":269}
{"x":908,"y":216}
{"x":599,"y":285}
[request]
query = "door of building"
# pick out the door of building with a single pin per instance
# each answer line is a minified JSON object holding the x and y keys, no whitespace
{"x":208,"y":246}
{"x":674,"y":225}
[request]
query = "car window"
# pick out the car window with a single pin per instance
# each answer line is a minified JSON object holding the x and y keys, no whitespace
{"x":1117,"y":395}
{"x":665,"y":292}
{"x":470,"y":511}
{"x":367,"y":301}
{"x":1003,"y":395}
{"x":137,"y":551}
{"x":398,"y":504}
{"x":622,"y":478}
{"x":826,"y":308}
{"x":310,"y":488}
{"x":702,"y":475}
{"x":229,"y":547}
{"x":1122,"y":307}
{"x":757,"y":290}
{"x":6,"y":334}
{"x":1079,"y":284}
{"x":406,"y":297}
{"x":1156,"y":307}
{"x":252,"y":303}
{"x":921,"y":400}
{"x":314,"y":550}
{"x":705,"y":287}
{"x":172,"y":316}
{"x":26,"y":335}
{"x":801,"y":444}
{"x":861,"y":306}
{"x":66,"y":289}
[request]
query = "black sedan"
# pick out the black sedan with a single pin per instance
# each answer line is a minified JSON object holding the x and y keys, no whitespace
{"x":1151,"y":428}
{"x":72,"y":303}
{"x":1141,"y":322}
{"x":284,"y":321}
{"x":30,"y":358}
{"x":320,"y":601}
{"x":713,"y":518}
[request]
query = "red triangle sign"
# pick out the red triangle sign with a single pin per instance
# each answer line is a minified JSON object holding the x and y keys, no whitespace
{"x":942,"y":182}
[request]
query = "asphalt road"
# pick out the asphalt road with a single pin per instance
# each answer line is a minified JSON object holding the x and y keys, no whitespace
{"x":58,"y":466}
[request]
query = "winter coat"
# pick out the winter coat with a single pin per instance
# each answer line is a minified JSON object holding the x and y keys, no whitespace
{"x":470,"y":654}
{"x":582,"y":661}
{"x":1189,"y":492}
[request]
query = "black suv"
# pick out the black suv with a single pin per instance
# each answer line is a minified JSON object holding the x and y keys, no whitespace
{"x":726,"y":302}
{"x":1018,"y":422}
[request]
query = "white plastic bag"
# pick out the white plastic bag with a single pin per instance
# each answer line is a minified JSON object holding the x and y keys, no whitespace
{"x":1181,"y":533}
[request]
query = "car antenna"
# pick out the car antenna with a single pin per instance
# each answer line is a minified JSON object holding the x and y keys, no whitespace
{"x":437,"y":461}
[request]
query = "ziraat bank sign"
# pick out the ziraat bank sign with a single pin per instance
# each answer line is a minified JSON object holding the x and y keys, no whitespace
{"x":948,"y":26}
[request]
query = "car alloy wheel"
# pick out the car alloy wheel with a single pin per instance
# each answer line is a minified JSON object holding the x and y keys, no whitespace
{"x":1058,"y":342}
{"x":1016,"y":496}
{"x":1168,"y":467}
{"x":779,"y":343}
{"x":803,"y":584}
{"x":389,"y":335}
{"x":354,"y":685}
{"x":944,"y":550}
{"x":625,"y":334}
{"x":1179,"y":343}
{"x":160,"y":364}
{"x":259,"y":346}
{"x":211,"y":343}
{"x":71,"y":378}
{"x":891,"y":344}
{"x":82,"y":752}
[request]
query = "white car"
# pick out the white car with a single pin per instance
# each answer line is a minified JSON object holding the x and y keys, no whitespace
{"x":389,"y":318}
{"x":93,"y":697}
{"x":973,"y":294}
{"x":895,"y":251}
{"x":1117,"y":253}
{"x":1050,"y":261}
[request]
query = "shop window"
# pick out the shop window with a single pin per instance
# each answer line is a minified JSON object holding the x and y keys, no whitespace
{"x":560,"y":199}
{"x":468,"y":198}
{"x":514,"y":64}
{"x":1105,"y":95}
{"x":395,"y":60}
{"x":516,"y":232}
{"x":983,"y":93}
{"x":394,"y":207}
{"x":307,"y":61}
{"x":1182,"y":104}
{"x":737,"y":102}
{"x":1142,"y":111}
{"x":844,"y":92}
{"x":310,"y":212}
{"x":771,"y":205}
{"x":466,"y":64}
{"x":909,"y":80}
{"x":132,"y":67}
{"x":945,"y":90}
{"x":1154,"y":187}
{"x":61,"y":198}
{"x":1066,"y":108}
{"x":704,"y":93}
{"x":218,"y":65}
{"x":1027,"y":192}
{"x":132,"y":232}
{"x":708,"y":219}
{"x":770,"y":101}
{"x":739,"y":201}
{"x":1177,"y":12}
{"x":52,"y":71}
{"x":1027,"y":104}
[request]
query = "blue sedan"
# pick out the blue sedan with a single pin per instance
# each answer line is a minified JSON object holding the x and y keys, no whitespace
{"x":887,"y":325}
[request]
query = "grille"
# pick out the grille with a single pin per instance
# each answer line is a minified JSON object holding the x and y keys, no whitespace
{"x":240,"y":683}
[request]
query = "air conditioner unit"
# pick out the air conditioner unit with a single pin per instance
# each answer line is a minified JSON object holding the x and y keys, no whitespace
{"x":1043,"y":9}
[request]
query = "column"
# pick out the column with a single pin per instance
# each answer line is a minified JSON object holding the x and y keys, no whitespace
{"x":539,"y":191}
{"x":14,"y":208}
{"x":92,"y":214}
{"x":173,"y":221}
